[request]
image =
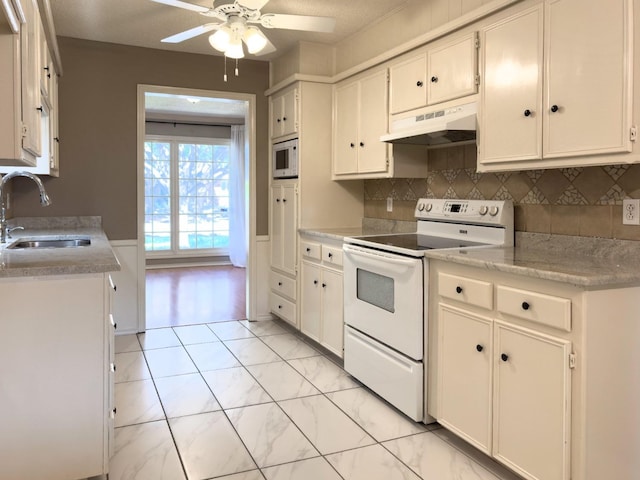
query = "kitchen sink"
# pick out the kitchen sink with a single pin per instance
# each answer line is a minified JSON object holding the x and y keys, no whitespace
{"x":50,"y":243}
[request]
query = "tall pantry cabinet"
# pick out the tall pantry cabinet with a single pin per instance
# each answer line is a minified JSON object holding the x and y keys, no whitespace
{"x":312,"y":200}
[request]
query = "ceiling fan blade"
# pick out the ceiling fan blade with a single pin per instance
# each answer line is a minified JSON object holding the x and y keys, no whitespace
{"x":252,"y":4}
{"x":185,"y":5}
{"x":268,"y":48}
{"x":298,"y":22}
{"x":194,"y":32}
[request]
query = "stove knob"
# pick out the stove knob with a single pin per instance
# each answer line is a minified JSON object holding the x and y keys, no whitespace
{"x":483,"y":210}
{"x":493,"y":211}
{"x":421,"y":206}
{"x":429,"y":207}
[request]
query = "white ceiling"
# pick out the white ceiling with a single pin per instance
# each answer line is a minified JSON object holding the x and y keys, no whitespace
{"x":144,"y":23}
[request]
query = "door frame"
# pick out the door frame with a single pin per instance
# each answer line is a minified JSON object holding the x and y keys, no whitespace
{"x":250,"y":179}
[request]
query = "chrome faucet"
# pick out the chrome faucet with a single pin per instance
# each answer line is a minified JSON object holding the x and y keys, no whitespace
{"x":44,"y":200}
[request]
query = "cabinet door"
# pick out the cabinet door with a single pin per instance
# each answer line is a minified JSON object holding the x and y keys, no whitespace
{"x":511,"y":99}
{"x":452,"y":70}
{"x":464,"y":375}
{"x":31,"y":102}
{"x":332,"y":311}
{"x":277,"y":222}
{"x":345,"y":150}
{"x":276,"y":116}
{"x":289,"y":228}
{"x":532,"y":398}
{"x":52,"y":366}
{"x":54,"y":136}
{"x":289,"y":112}
{"x":374,"y":120}
{"x":311,"y":302}
{"x":408,"y":85}
{"x":588,"y":77}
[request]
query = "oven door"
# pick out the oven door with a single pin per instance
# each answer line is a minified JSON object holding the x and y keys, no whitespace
{"x":383,"y":298}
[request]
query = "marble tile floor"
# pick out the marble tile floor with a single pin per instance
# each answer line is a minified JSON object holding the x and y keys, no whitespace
{"x":253,"y":401}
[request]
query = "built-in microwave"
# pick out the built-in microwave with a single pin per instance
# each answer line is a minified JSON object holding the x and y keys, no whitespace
{"x":285,"y":159}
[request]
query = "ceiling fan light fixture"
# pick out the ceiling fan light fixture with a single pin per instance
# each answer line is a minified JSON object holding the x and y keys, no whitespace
{"x":221,"y":39}
{"x":234,"y":49}
{"x":254,"y":39}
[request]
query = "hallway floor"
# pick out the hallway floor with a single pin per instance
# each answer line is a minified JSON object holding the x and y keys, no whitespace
{"x":190,"y":295}
{"x":243,"y":400}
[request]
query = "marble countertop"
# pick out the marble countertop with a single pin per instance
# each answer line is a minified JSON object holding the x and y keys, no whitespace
{"x":370,"y":226}
{"x":584,"y":262}
{"x":333,"y":233}
{"x":95,"y":258}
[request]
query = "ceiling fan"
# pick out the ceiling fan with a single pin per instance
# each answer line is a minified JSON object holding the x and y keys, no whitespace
{"x":233,"y":26}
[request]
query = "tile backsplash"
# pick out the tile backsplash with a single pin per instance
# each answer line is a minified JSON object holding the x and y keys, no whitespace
{"x":566,"y":201}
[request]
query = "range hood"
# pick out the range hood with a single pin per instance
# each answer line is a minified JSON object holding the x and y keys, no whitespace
{"x":440,"y":127}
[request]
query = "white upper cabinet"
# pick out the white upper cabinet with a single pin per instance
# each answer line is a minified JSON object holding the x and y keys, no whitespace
{"x":28,"y":95}
{"x":588,"y":77}
{"x":452,"y":69}
{"x":556,"y":82}
{"x":409,"y":84}
{"x":284,"y":114}
{"x":361,"y":118}
{"x":511,"y":105}
{"x":444,"y":72}
{"x":31,"y":100}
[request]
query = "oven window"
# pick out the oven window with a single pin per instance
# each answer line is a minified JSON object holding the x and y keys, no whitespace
{"x":282,"y":159}
{"x":375,"y":289}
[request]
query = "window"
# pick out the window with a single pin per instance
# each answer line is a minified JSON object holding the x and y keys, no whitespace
{"x":186,"y":196}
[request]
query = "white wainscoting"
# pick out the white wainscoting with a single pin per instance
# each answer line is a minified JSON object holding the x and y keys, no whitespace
{"x":125,"y":302}
{"x":263,"y":267}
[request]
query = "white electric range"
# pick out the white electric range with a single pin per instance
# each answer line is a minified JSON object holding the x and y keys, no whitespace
{"x":385,"y":293}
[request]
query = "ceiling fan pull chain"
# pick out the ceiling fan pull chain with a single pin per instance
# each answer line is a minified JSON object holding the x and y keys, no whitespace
{"x":236,"y":67}
{"x":225,"y":68}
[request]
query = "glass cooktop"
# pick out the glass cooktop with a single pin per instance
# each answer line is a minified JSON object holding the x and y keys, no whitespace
{"x":413,"y":241}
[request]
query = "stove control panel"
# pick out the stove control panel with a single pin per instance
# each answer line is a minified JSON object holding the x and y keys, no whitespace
{"x":489,"y":212}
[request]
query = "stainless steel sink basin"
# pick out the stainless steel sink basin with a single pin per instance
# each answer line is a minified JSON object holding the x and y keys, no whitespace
{"x":50,"y":243}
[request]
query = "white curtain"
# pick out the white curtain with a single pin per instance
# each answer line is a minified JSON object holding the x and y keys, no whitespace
{"x":237,"y":198}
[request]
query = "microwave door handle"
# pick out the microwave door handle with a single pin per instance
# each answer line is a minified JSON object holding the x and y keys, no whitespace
{"x":380,"y":259}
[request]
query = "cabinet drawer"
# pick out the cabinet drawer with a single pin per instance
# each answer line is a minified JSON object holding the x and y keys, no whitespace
{"x":332,"y":255}
{"x":466,"y":290}
{"x":311,"y":250}
{"x":535,"y":307}
{"x":285,"y":286}
{"x":283,"y":308}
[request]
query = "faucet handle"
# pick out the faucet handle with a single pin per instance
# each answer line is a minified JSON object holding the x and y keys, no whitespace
{"x":11,"y":229}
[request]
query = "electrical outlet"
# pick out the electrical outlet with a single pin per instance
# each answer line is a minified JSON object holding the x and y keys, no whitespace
{"x":389,"y":204}
{"x":631,"y":211}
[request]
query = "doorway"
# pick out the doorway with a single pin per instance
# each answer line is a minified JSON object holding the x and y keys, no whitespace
{"x":191,"y":246}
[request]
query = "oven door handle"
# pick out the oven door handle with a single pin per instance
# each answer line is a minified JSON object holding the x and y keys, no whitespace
{"x":380,"y":259}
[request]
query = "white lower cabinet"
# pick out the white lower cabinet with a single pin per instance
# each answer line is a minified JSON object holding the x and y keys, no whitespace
{"x":56,"y":377}
{"x":321,"y":315}
{"x":465,"y":367}
{"x":539,"y":374}
{"x":504,"y":384}
{"x":531,"y":402}
{"x":321,"y":291}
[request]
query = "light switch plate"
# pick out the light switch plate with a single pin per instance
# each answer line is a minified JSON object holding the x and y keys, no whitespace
{"x":631,"y":211}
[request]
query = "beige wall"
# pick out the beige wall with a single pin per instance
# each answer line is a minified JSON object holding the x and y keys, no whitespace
{"x":98,"y":130}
